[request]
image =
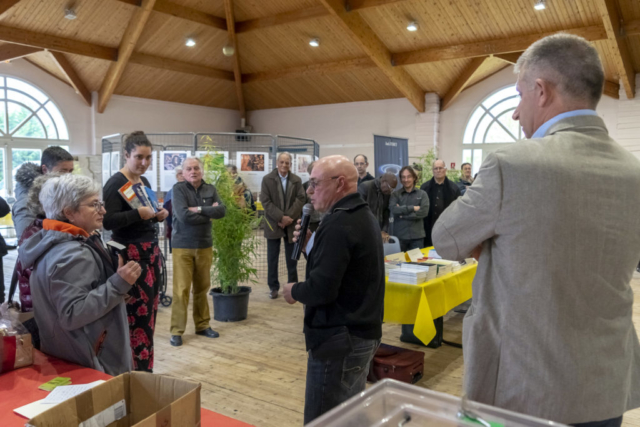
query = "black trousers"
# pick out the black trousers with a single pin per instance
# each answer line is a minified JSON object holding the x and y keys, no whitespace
{"x":613,"y":422}
{"x":273,"y":255}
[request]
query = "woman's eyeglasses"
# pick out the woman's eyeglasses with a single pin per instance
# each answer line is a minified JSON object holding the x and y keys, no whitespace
{"x":96,"y":205}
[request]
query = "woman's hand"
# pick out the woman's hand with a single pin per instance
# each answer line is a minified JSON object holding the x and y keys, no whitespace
{"x":129,"y":271}
{"x":146,"y":212}
{"x":162,"y":215}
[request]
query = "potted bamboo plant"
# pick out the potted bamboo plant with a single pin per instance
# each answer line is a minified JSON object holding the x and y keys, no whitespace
{"x":234,"y":247}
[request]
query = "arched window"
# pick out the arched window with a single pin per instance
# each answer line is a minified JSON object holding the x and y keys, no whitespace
{"x":29,"y":122}
{"x":491,"y":123}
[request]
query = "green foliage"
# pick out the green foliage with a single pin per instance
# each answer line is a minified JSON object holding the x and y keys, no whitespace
{"x":234,"y":242}
{"x":424,"y":168}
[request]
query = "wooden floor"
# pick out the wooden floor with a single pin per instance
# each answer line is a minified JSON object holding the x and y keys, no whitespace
{"x":255,"y":370}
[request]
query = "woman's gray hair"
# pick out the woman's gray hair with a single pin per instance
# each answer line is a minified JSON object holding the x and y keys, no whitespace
{"x":568,"y":61}
{"x":33,"y":198}
{"x":66,"y":191}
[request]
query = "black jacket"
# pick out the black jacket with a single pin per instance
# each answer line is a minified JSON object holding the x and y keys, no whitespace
{"x":367,"y":177}
{"x":450,"y":192}
{"x":192,"y":230}
{"x":345,"y":275}
{"x":462,"y":185}
{"x":377,"y":201}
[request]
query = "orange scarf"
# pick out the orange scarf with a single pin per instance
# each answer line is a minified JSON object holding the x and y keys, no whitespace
{"x":64,"y":227}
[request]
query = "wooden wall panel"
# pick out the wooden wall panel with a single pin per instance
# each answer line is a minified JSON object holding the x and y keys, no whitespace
{"x":634,"y":49}
{"x":286,"y":46}
{"x":252,"y":9}
{"x":99,"y":21}
{"x":145,"y":82}
{"x":91,"y":71}
{"x":488,"y":68}
{"x":165,"y":36}
{"x":606,"y":56}
{"x":361,"y":85}
{"x":213,"y":7}
{"x":43,"y":60}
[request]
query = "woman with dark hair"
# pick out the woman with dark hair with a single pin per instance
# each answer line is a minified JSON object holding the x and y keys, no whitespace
{"x":408,"y":206}
{"x":137,"y":230}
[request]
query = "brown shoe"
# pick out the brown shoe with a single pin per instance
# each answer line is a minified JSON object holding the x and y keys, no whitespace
{"x":273,"y":294}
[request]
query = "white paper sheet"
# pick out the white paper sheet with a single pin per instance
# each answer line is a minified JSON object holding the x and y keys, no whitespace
{"x":65,"y":392}
{"x":36,"y":408}
{"x":169,"y":160}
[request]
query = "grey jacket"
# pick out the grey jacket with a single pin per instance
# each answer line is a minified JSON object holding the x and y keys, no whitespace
{"x":407,"y":223}
{"x":22,"y":216}
{"x":192,"y":230}
{"x":80,"y":312}
{"x":276,"y":204}
{"x":550,"y":331}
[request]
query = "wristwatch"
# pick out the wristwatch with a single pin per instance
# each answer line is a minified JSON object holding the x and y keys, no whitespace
{"x":199,"y":209}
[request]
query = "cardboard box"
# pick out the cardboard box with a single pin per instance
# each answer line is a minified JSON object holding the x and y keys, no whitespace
{"x":132,"y":399}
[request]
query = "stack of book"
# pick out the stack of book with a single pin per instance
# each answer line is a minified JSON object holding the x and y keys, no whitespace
{"x":412,"y":274}
{"x":391,"y":265}
{"x":138,"y":196}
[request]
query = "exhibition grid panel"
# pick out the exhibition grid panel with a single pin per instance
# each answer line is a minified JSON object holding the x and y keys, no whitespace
{"x":422,"y":303}
{"x":20,"y":387}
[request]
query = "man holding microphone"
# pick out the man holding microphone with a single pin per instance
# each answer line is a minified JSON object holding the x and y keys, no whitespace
{"x":344,"y":291}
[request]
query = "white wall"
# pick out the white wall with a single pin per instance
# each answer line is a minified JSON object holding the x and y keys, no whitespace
{"x":346,"y":129}
{"x":123,"y":114}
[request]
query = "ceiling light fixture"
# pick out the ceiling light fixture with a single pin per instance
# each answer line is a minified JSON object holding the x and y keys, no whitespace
{"x":190,"y":42}
{"x":540,"y":5}
{"x":315,"y":42}
{"x":228,"y":50}
{"x":70,"y":14}
{"x":413,"y":26}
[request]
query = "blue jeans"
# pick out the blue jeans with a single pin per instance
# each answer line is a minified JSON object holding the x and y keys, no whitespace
{"x":331,"y":382}
{"x":407,"y":245}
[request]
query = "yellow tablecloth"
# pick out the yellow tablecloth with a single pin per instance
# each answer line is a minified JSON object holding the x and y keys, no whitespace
{"x":421,"y":304}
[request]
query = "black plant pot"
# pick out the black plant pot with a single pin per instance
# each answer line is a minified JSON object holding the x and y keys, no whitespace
{"x":230,"y":307}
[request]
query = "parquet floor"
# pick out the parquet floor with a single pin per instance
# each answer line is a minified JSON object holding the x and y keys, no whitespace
{"x":255,"y":370}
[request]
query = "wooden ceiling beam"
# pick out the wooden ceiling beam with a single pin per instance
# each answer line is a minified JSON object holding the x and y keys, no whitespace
{"x":511,"y":58}
{"x":305,"y":14}
{"x":358,"y":29}
{"x":462,"y":81}
{"x":611,"y":89}
{"x":237,"y":72}
{"x":58,"y":44}
{"x":127,"y":44}
{"x":313,"y":69}
{"x":73,"y":77}
{"x":44,"y":70}
{"x":632,"y":28}
{"x":7,"y":4}
{"x":168,"y":8}
{"x":491,"y":47}
{"x":612,"y":20}
{"x":180,"y":67}
{"x":11,"y":51}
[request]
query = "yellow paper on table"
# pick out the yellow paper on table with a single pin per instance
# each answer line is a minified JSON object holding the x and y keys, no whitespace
{"x":396,"y":257}
{"x":415,"y":255}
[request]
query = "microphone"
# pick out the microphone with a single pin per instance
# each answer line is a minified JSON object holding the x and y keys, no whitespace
{"x":307,"y":210}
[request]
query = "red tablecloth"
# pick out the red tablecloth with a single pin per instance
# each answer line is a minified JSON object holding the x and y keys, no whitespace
{"x":20,"y":387}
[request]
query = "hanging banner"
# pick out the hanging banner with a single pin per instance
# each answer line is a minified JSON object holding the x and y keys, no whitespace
{"x":391,"y":154}
{"x":170,"y":160}
{"x":106,"y":167}
{"x":301,"y":165}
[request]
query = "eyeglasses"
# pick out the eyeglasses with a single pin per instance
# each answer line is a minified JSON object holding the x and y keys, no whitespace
{"x":359,"y":164}
{"x":313,"y":183}
{"x":96,"y":205}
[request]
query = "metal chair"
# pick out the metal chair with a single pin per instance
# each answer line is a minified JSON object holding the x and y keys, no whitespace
{"x":392,"y":247}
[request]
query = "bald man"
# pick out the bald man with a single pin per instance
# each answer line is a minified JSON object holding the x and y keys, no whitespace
{"x":344,"y":291}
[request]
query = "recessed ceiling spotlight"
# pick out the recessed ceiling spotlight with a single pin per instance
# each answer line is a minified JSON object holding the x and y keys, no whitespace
{"x":228,"y":50}
{"x":190,"y":42}
{"x":540,"y":5}
{"x":70,"y":14}
{"x":315,"y":42}
{"x":413,"y":26}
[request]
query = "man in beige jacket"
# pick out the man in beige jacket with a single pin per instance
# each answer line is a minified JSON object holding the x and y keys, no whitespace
{"x":554,"y":221}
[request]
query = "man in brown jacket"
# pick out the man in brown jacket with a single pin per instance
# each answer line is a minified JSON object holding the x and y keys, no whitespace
{"x":282,"y":197}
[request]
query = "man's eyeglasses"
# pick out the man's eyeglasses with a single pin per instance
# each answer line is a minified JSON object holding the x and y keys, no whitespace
{"x":313,"y":183}
{"x":359,"y":164}
{"x":96,"y":205}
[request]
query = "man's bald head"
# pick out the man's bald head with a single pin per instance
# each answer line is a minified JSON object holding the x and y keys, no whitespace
{"x":439,"y":171}
{"x":335,"y":177}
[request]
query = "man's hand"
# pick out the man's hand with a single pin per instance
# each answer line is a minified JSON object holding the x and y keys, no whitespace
{"x":281,"y":225}
{"x":476,"y":252}
{"x":296,"y":235}
{"x":162,"y":215}
{"x":193,"y":209}
{"x":416,"y":208}
{"x":385,"y":237}
{"x":146,"y":212}
{"x":286,"y":291}
{"x":215,"y":204}
{"x":286,"y":220}
{"x":129,"y":271}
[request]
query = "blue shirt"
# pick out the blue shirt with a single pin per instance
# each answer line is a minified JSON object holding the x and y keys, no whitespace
{"x":542,"y":130}
{"x":283,"y":179}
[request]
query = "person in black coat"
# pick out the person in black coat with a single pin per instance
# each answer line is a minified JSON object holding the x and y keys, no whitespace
{"x":442,"y":192}
{"x":4,"y":211}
